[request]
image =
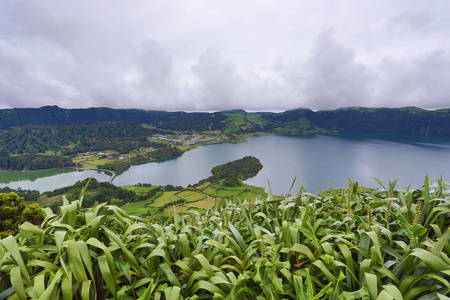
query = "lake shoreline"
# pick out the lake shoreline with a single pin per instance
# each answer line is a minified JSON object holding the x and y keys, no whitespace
{"x":322,"y":160}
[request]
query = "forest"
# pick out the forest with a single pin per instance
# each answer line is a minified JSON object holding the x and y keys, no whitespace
{"x":121,"y":145}
{"x":39,"y":139}
{"x":30,"y":162}
{"x":161,"y":153}
{"x":38,"y":147}
{"x":234,"y":172}
{"x":405,"y":120}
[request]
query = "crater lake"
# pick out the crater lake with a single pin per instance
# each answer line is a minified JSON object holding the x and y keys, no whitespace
{"x":328,"y":161}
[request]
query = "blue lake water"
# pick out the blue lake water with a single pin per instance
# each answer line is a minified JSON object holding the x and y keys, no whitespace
{"x":316,"y":160}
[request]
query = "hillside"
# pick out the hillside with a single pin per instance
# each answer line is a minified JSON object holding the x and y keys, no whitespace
{"x":53,"y":115}
{"x":33,"y":139}
{"x":406,"y":120}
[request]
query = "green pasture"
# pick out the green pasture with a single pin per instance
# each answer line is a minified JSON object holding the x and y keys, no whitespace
{"x":195,"y":197}
{"x":103,"y":161}
{"x":167,"y":197}
{"x":200,"y":206}
{"x":139,"y":189}
{"x":185,"y":194}
{"x":200,"y":197}
{"x":221,"y":193}
{"x":191,"y":196}
{"x":136,"y":208}
{"x":210,"y":191}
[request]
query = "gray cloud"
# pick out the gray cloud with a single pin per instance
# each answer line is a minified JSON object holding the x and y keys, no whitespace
{"x":334,"y":78}
{"x":266,"y":55}
{"x":22,"y":83}
{"x":218,"y":84}
{"x":424,"y":82}
{"x":416,"y":19}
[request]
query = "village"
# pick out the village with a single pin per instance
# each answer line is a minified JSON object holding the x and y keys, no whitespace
{"x":97,"y":158}
{"x":187,"y":139}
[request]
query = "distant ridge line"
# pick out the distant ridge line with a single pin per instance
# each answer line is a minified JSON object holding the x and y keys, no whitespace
{"x":404,"y":120}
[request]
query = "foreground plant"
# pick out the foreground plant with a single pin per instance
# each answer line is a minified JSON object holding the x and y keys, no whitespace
{"x":350,"y":244}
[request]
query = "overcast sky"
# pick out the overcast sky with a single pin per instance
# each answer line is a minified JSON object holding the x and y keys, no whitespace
{"x":216,"y":55}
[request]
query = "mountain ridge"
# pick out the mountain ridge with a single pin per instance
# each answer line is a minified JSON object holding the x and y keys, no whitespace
{"x":403,"y":120}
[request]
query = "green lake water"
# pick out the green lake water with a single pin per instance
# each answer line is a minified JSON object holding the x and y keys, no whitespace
{"x":316,"y":160}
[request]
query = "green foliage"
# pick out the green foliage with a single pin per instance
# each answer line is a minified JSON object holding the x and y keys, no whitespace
{"x":243,"y":122}
{"x":28,"y":195}
{"x":195,"y":122}
{"x":407,"y":120}
{"x":165,"y":153}
{"x":350,"y":244}
{"x":122,"y":145}
{"x":96,"y":192}
{"x":14,"y":211}
{"x":34,"y":162}
{"x":53,"y":115}
{"x":121,"y":166}
{"x":232,"y":173}
{"x":39,"y":139}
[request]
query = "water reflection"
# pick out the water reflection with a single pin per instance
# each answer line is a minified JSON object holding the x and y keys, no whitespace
{"x":316,"y":160}
{"x":51,"y":183}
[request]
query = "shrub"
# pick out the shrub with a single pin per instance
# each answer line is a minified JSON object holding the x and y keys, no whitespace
{"x":350,"y":244}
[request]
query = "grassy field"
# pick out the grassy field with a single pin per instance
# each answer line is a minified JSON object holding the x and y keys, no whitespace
{"x":200,"y":197}
{"x":200,"y":206}
{"x":136,"y":208}
{"x":191,"y":196}
{"x":230,"y":192}
{"x":221,"y":193}
{"x":103,"y":161}
{"x":139,"y":189}
{"x":194,"y":197}
{"x":238,"y":122}
{"x":91,"y":161}
{"x":210,"y":191}
{"x":167,"y":197}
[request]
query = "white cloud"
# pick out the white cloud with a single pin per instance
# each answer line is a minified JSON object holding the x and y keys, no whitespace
{"x":218,"y":84}
{"x":423,"y":82}
{"x":267,"y":54}
{"x":415,"y":19}
{"x":333,"y":78}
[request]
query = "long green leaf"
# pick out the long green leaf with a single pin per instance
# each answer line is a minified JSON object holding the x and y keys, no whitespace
{"x":106,"y":274}
{"x":432,"y":261}
{"x":17,"y":282}
{"x":11,"y":246}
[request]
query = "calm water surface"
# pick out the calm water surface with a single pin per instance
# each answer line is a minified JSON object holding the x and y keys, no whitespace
{"x":316,"y":160}
{"x":43,"y":182}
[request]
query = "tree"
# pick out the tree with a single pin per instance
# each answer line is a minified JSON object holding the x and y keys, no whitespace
{"x":14,"y":211}
{"x":33,"y":213}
